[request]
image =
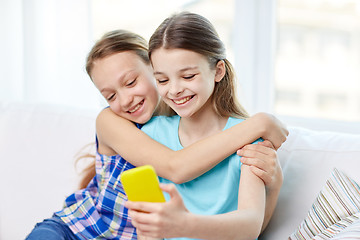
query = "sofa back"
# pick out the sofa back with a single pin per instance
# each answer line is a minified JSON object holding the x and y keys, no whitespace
{"x":39,"y":144}
{"x":38,"y":147}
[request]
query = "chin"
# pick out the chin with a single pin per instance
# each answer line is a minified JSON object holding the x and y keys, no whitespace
{"x":143,"y":119}
{"x":184,"y":115}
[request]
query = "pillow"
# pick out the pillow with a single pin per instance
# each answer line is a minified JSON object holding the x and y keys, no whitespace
{"x":351,"y":232}
{"x":338,"y":200}
{"x":348,"y":228}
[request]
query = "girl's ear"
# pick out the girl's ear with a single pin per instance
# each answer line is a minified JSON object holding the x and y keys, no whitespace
{"x":220,"y":71}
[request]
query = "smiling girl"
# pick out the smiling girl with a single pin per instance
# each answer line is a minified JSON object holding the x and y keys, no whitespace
{"x":196,"y":81}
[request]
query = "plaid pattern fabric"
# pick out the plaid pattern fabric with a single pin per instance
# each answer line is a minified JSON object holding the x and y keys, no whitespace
{"x":98,"y":212}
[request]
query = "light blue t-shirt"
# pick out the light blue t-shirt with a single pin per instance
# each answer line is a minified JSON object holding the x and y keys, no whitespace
{"x":214,"y":192}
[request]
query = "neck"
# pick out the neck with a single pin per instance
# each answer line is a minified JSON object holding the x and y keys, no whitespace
{"x":199,"y":126}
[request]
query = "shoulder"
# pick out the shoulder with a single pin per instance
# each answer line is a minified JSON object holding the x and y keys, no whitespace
{"x":109,"y":125}
{"x":104,"y":114}
{"x":233,"y":121}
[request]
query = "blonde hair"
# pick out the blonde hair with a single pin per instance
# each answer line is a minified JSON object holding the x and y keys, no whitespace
{"x":114,"y":42}
{"x":111,"y":43}
{"x":195,"y":33}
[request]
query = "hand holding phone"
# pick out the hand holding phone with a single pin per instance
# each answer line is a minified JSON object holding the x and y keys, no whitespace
{"x":142,"y":184}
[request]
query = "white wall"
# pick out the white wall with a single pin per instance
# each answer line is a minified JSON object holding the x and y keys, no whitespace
{"x":45,"y":43}
{"x":11,"y":42}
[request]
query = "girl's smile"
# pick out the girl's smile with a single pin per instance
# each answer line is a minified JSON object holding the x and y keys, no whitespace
{"x":137,"y":107}
{"x":182,"y":101}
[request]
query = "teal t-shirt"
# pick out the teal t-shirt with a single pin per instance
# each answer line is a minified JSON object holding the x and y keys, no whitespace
{"x":214,"y":192}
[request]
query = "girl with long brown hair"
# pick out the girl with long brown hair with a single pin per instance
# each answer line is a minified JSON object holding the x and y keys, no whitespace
{"x":196,"y":81}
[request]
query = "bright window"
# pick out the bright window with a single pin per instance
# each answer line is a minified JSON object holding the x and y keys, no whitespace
{"x":317,"y":71}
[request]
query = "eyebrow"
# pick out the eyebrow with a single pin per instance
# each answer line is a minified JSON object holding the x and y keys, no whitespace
{"x":181,"y":70}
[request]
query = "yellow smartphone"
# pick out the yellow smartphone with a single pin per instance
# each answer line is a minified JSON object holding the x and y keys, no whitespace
{"x":142,"y":184}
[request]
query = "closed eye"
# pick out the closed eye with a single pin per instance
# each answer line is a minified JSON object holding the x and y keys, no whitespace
{"x":129,"y":84}
{"x":111,"y":97}
{"x":189,"y":76}
{"x":163,"y":81}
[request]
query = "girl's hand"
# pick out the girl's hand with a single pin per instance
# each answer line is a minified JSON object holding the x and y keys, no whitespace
{"x":264,"y":163}
{"x":274,"y":130}
{"x":160,"y":220}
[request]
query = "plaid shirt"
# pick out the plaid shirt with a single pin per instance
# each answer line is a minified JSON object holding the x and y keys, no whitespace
{"x":98,"y":212}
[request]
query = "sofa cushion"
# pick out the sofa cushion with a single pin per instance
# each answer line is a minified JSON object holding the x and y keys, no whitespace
{"x":333,"y":210}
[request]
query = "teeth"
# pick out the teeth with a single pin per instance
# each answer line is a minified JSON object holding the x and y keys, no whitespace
{"x":183,"y":100}
{"x":136,"y":108}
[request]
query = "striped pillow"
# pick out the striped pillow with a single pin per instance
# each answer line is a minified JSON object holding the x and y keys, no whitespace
{"x":336,"y":207}
{"x":347,"y":228}
{"x":351,"y":232}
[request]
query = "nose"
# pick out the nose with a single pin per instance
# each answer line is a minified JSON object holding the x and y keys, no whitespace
{"x":175,"y":88}
{"x":125,"y":99}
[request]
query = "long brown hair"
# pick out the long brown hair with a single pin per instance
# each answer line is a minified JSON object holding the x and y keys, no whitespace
{"x":111,"y":43}
{"x":195,"y":33}
{"x":85,"y":165}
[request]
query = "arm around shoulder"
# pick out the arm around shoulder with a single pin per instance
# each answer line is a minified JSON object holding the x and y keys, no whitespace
{"x":117,"y":135}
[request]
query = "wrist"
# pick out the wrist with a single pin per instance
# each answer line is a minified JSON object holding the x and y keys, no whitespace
{"x":190,"y":226}
{"x":275,"y":188}
{"x":261,"y":124}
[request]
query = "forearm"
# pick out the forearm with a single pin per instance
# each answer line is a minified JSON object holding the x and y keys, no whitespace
{"x":205,"y":154}
{"x":208,"y":152}
{"x":271,"y":201}
{"x":147,"y":238}
{"x":123,"y":138}
{"x":240,"y":224}
{"x":245,"y":223}
{"x":263,"y":160}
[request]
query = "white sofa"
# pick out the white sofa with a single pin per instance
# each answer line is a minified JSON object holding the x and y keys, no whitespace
{"x":39,"y":143}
